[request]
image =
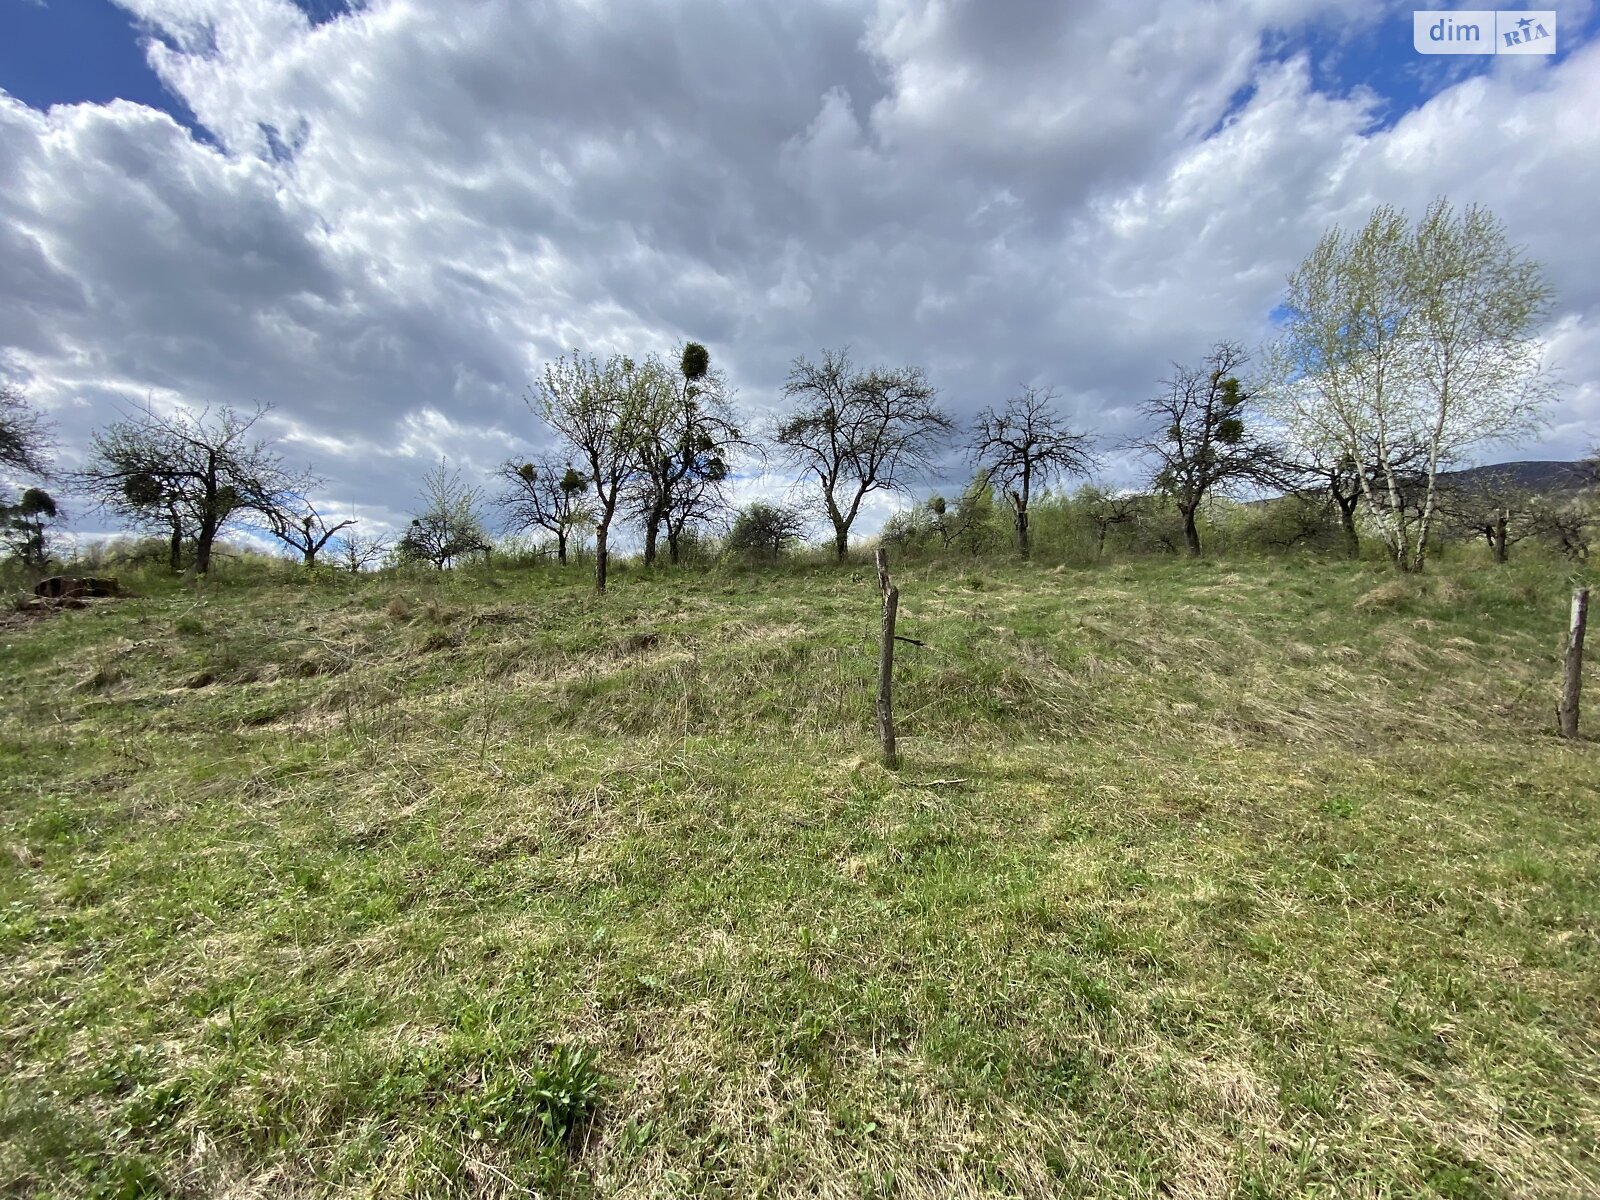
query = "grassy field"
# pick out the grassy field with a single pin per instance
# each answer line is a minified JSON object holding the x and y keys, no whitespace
{"x":1206,"y":879}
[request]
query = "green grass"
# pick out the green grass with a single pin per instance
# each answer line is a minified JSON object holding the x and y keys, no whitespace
{"x":1248,"y":879}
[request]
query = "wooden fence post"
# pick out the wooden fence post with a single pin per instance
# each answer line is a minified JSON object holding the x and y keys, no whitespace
{"x":891,"y":607}
{"x":1572,"y":685}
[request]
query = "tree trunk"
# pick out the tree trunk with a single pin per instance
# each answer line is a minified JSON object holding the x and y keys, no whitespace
{"x":1191,"y":533}
{"x":1393,"y":519}
{"x":1019,"y":503}
{"x":311,"y":556}
{"x":1419,"y":557}
{"x":561,"y":548}
{"x":673,"y":545}
{"x":600,"y":556}
{"x":1498,"y":542}
{"x":652,"y":534}
{"x":175,"y":547}
{"x":202,"y":547}
{"x":1572,"y":685}
{"x":1347,"y":525}
{"x":841,"y":540}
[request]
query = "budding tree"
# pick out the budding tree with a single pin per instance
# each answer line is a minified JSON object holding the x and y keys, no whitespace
{"x":687,"y":436}
{"x":766,"y":530}
{"x":1105,"y":510}
{"x":599,"y":407}
{"x":1403,"y":339}
{"x":449,"y":527}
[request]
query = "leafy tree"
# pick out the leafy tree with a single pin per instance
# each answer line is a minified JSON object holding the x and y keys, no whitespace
{"x":1023,"y":446}
{"x":23,"y":526}
{"x":448,"y":529}
{"x":858,"y":432}
{"x":974,"y":527}
{"x":1203,"y":443}
{"x":914,"y":528}
{"x":189,"y":473}
{"x":1296,"y":518}
{"x":687,"y":437}
{"x":543,"y":495}
{"x":304,"y":530}
{"x":766,"y":530}
{"x":1402,"y":339}
{"x":26,"y":438}
{"x":600,"y":408}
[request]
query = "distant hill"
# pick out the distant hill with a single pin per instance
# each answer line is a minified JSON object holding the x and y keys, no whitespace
{"x":1535,"y":476}
{"x":1538,"y":476}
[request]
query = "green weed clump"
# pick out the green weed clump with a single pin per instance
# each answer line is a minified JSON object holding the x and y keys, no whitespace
{"x":1214,"y":878}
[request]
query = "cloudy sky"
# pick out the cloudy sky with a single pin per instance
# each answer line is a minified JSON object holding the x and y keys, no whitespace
{"x":382,"y":218}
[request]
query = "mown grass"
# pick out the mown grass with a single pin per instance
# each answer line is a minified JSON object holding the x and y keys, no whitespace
{"x":1200,"y":879}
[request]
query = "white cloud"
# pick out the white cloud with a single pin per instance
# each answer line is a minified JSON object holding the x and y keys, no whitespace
{"x":402,"y":212}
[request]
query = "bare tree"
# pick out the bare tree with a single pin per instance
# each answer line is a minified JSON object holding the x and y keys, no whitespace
{"x":1494,"y":506}
{"x":1023,"y":446}
{"x":1105,"y":510}
{"x":964,"y":523}
{"x":356,"y":552}
{"x":305,"y":531}
{"x":26,"y":437}
{"x":599,"y":407}
{"x":857,"y":432}
{"x":1569,"y":526}
{"x":448,"y":528}
{"x":190,"y":473}
{"x":544,"y":495}
{"x":1203,"y":443}
{"x":699,"y":503}
{"x":1317,"y":469}
{"x":1400,"y":339}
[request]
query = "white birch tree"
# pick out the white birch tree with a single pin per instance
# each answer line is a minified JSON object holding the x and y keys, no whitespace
{"x":1407,"y":342}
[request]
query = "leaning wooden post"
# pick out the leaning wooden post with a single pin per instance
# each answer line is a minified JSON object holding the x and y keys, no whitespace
{"x":1572,"y":686}
{"x":891,"y":606}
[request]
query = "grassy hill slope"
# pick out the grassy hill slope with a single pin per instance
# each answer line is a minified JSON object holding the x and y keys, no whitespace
{"x":1200,"y":879}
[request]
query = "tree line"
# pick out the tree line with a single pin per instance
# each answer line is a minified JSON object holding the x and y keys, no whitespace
{"x":1404,"y":348}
